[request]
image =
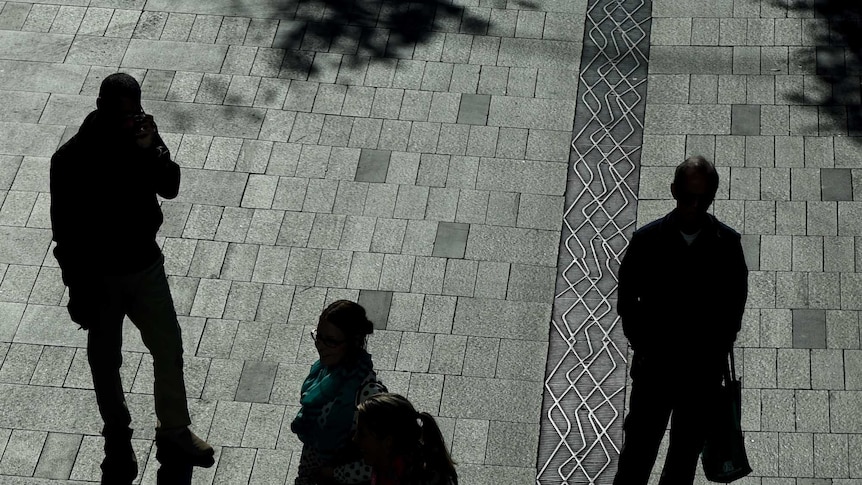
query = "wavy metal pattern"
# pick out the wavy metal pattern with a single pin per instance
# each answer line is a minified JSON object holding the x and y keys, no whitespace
{"x":581,"y":427}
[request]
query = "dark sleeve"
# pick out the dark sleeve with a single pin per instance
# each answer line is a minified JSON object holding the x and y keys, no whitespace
{"x":167,"y":172}
{"x":737,"y":288}
{"x":62,"y":211}
{"x":629,"y":305}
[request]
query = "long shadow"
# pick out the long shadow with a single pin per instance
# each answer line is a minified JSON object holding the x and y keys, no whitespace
{"x":836,"y":61}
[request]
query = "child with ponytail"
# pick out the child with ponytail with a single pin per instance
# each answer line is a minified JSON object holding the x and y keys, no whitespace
{"x":403,"y":447}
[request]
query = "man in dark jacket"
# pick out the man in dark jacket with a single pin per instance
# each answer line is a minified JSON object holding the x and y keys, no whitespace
{"x":105,"y":216}
{"x":683,"y":284}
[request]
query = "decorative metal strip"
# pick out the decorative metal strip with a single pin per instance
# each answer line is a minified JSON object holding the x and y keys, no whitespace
{"x":584,"y":398}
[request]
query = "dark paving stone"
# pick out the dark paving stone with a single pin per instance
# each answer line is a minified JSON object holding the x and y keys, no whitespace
{"x":255,"y":383}
{"x":373,"y":165}
{"x":474,"y":109}
{"x":809,"y":329}
{"x":744,"y":119}
{"x":836,"y":184}
{"x":751,"y":249}
{"x":376,"y":304}
{"x":451,"y":240}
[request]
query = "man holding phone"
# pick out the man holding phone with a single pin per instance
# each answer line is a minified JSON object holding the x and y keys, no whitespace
{"x":105,"y":216}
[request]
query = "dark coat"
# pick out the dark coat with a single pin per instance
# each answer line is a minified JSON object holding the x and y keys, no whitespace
{"x":681,"y":303}
{"x":104,"y":210}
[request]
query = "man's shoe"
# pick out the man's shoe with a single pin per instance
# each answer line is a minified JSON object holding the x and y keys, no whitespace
{"x":120,"y":466}
{"x":183,"y":446}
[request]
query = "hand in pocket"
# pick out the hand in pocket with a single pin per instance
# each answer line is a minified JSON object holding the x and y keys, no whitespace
{"x":83,"y":305}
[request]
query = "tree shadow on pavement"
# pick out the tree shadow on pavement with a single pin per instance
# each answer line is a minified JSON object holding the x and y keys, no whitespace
{"x":375,"y":29}
{"x":835,"y":59}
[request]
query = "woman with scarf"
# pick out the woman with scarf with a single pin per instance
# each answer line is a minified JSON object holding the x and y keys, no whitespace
{"x":402,"y":446}
{"x":341,"y":379}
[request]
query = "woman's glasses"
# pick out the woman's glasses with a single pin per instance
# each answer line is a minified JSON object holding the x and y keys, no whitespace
{"x":327,"y":341}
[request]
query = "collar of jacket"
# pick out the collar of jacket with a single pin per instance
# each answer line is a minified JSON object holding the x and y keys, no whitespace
{"x":670,"y":225}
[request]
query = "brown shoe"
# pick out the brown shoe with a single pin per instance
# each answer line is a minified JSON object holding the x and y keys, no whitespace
{"x":180,"y":445}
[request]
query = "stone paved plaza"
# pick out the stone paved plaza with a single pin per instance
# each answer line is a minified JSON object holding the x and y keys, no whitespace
{"x":422,"y":159}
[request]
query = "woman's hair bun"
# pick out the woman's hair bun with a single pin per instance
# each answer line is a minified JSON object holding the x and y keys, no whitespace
{"x":350,"y":317}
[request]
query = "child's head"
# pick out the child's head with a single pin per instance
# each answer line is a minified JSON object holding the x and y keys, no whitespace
{"x":388,"y":426}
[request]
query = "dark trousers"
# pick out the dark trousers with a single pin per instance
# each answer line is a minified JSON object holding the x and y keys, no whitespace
{"x":682,"y":394}
{"x":146,"y":298}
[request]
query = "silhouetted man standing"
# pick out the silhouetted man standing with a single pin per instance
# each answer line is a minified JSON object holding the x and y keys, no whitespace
{"x":105,"y":216}
{"x":683,"y":284}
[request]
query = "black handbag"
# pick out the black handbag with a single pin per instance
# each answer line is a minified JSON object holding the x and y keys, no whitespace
{"x":724,"y":459}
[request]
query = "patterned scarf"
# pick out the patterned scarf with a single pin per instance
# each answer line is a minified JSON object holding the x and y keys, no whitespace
{"x":328,"y":404}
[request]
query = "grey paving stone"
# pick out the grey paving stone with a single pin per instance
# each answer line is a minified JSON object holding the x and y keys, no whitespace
{"x":320,"y":196}
{"x":424,"y":390}
{"x":239,"y":261}
{"x":264,"y":423}
{"x":234,"y":466}
{"x":451,"y":240}
{"x":177,"y":27}
{"x":459,"y":401}
{"x":222,"y":379}
{"x":760,"y":368}
{"x":463,"y":170}
{"x":521,"y":320}
{"x":829,"y":452}
{"x":365,"y":271}
{"x":271,"y":265}
{"x":419,"y":238}
{"x":668,"y":88}
{"x":428,"y":275}
{"x":471,"y":436}
{"x":448,"y":354}
{"x":414,"y":355}
{"x":822,"y":218}
{"x":437,"y":314}
{"x":58,"y":456}
{"x":775,"y":253}
{"x":397,"y":272}
{"x":229,"y":423}
{"x":778,"y":413}
{"x":388,"y":235}
{"x":794,"y":369}
{"x":22,"y":452}
{"x":530,"y":283}
{"x":52,"y":366}
{"x":690,"y":60}
{"x":827,"y":369}
{"x":242,"y":300}
{"x":505,"y":441}
{"x":521,"y":176}
{"x":181,"y":56}
{"x":776,"y":329}
{"x":795,"y":454}
{"x":150,"y":26}
{"x":844,"y":413}
{"x":453,"y":139}
{"x":472,"y":206}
